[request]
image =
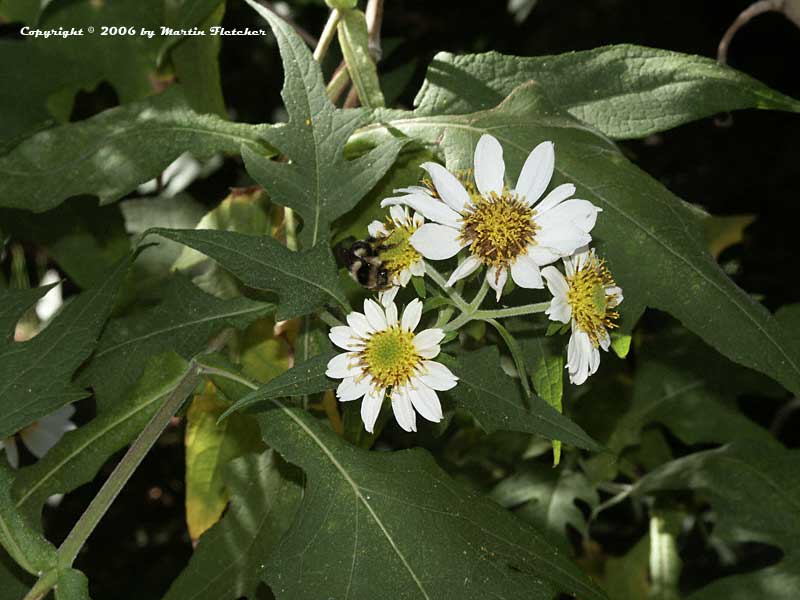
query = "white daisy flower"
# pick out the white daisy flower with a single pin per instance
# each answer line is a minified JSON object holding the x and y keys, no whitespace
{"x":398,"y":256}
{"x":586,"y":297}
{"x":504,"y":229}
{"x":385,"y":358}
{"x":41,"y":435}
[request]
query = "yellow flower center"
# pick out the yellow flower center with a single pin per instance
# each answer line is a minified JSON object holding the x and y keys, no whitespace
{"x":591,"y":305}
{"x":397,"y":253}
{"x":390,"y":357}
{"x":499,"y":228}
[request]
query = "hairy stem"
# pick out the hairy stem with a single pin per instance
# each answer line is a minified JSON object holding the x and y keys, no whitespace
{"x":327,"y":36}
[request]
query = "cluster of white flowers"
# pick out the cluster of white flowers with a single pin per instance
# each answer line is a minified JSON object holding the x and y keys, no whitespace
{"x":519,"y":231}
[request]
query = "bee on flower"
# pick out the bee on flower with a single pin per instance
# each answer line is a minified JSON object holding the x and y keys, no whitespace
{"x":585,"y":298}
{"x":386,"y":260}
{"x":385,"y":358}
{"x":506,"y":230}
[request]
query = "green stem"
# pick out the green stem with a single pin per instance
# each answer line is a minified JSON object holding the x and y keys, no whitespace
{"x":514,"y":311}
{"x":207,"y":370}
{"x":329,"y":319}
{"x":457,"y":299}
{"x":516,"y":354}
{"x":123,"y":471}
{"x":43,"y":586}
{"x":327,"y":36}
{"x":291,"y":228}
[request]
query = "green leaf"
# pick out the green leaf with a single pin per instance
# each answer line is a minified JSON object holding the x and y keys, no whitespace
{"x":755,"y":492}
{"x":365,"y":514}
{"x":184,"y":322}
{"x":84,"y":239}
{"x":196,"y":60}
{"x":642,"y":224}
{"x":623,"y":91}
{"x":14,"y":581}
{"x":318,"y":182}
{"x":111,"y":153}
{"x":497,"y":403}
{"x":229,"y":559}
{"x":546,"y":366}
{"x":77,"y":458}
{"x":303,"y":280}
{"x":72,"y":585}
{"x":305,"y":378}
{"x":547,"y":497}
{"x":36,"y":376}
{"x":354,"y":42}
{"x":25,"y":545}
{"x":210,"y":446}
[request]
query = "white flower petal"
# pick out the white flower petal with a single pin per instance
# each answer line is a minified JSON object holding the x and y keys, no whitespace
{"x":614,"y":295}
{"x":536,"y":172}
{"x":342,"y":336}
{"x":559,"y":310}
{"x":371,"y":408}
{"x":359,"y":325}
{"x":417,"y":268}
{"x":555,"y":197}
{"x":405,"y":277}
{"x":556,"y":282}
{"x":376,"y":229}
{"x":543,"y":256}
{"x":375,"y":315}
{"x":436,"y":376}
{"x":525,"y":273}
{"x":343,"y":365}
{"x":427,"y":342}
{"x":387,"y":297}
{"x":563,"y":238}
{"x":448,"y":186}
{"x":352,"y":388}
{"x":581,"y":360}
{"x":12,"y":452}
{"x":399,"y":215}
{"x":425,"y":401}
{"x":605,"y":342}
{"x":431,"y":208}
{"x":411,"y":315}
{"x":489,"y":165}
{"x":413,"y":189}
{"x":496,"y":279}
{"x":391,"y":314}
{"x":403,"y":410}
{"x":579,"y":213}
{"x":39,"y":438}
{"x":465,"y":269}
{"x":436,"y":242}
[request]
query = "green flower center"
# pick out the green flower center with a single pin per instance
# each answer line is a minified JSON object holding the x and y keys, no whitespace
{"x":390,"y":357}
{"x":588,"y":300}
{"x":398,"y":253}
{"x":499,"y":228}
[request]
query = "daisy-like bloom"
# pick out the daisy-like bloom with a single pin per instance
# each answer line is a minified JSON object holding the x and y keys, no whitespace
{"x":41,"y":435}
{"x":504,"y":229}
{"x":399,"y":257}
{"x":385,"y":358}
{"x":586,"y":297}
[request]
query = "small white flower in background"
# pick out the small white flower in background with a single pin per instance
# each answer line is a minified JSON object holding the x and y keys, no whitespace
{"x":398,"y":257}
{"x":504,"y":229}
{"x":586,"y":298}
{"x":41,"y":435}
{"x":180,"y":174}
{"x":385,"y":358}
{"x":51,"y":302}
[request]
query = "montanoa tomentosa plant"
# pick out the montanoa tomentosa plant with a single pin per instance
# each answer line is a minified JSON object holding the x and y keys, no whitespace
{"x":386,"y":346}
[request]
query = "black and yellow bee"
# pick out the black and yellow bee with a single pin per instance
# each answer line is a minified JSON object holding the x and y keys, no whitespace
{"x":362,"y":259}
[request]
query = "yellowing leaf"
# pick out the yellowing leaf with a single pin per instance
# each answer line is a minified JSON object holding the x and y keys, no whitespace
{"x":209,"y":448}
{"x":724,"y":232}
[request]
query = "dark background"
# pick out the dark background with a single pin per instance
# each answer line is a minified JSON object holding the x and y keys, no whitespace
{"x":748,"y":165}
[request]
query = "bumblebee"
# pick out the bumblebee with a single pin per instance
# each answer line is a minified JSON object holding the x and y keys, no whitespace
{"x":362,"y":259}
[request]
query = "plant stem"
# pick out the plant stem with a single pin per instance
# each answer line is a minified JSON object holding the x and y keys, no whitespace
{"x":516,"y":354}
{"x":514,"y":311}
{"x":338,"y":82}
{"x":290,"y":224}
{"x":123,"y":471}
{"x":457,"y":299}
{"x":327,"y":36}
{"x":329,"y":319}
{"x":43,"y":586}
{"x":208,"y":370}
{"x":374,"y":17}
